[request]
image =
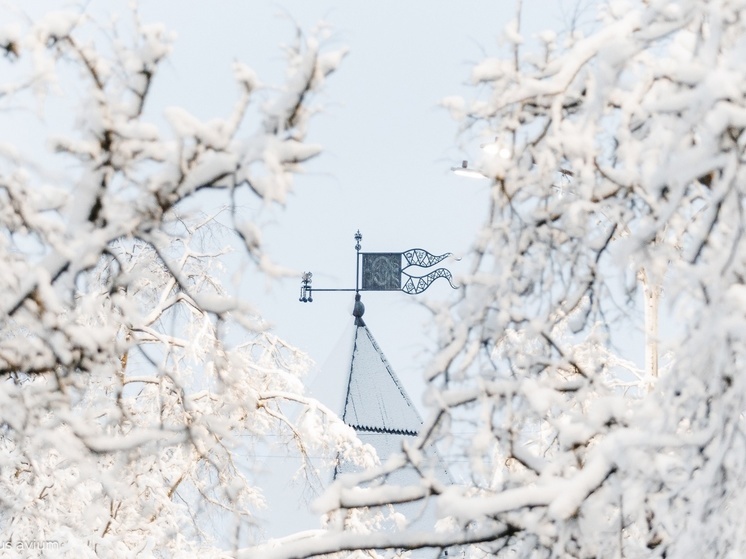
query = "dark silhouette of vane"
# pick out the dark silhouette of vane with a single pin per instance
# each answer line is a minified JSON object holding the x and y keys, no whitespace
{"x":386,"y":271}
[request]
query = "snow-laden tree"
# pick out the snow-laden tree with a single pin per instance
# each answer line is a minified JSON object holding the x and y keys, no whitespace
{"x":135,"y":385}
{"x":617,"y":171}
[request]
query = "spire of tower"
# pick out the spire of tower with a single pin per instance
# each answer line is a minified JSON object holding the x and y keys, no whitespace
{"x":376,"y":401}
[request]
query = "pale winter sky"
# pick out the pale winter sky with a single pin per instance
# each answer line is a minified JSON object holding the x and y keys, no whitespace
{"x":388,"y":147}
{"x":388,"y":150}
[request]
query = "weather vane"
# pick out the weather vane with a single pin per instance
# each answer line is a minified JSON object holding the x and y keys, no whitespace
{"x":385,"y":271}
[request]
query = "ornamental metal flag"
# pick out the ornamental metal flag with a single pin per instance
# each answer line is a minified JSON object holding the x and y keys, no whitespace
{"x":387,"y":271}
{"x":381,"y":271}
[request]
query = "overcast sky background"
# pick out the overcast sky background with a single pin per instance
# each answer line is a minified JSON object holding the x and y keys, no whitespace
{"x":388,"y":146}
{"x":388,"y":150}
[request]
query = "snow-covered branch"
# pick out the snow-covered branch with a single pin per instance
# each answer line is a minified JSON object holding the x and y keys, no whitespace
{"x":127,"y":401}
{"x":617,"y":172}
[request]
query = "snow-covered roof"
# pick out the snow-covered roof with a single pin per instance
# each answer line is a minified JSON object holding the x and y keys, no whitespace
{"x":375,"y":401}
{"x":379,"y":409}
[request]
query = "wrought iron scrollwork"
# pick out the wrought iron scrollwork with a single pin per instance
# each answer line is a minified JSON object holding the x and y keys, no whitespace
{"x":415,"y":284}
{"x":422,"y":258}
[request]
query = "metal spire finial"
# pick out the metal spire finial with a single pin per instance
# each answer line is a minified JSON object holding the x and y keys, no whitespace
{"x":358,"y":311}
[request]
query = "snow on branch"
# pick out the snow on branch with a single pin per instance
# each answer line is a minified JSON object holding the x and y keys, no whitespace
{"x":135,"y":385}
{"x":614,"y":231}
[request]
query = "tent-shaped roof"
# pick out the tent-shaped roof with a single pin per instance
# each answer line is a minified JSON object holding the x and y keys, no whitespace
{"x":375,"y":401}
{"x":379,"y":409}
